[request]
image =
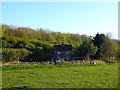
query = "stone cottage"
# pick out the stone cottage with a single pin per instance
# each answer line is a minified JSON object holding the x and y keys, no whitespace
{"x":62,"y":51}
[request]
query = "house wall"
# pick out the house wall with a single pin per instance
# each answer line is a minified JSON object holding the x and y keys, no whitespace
{"x":66,"y":55}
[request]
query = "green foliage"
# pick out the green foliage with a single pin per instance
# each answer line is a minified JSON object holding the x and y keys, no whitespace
{"x":4,"y":44}
{"x":87,"y":49}
{"x":106,"y":47}
{"x":119,"y":52}
{"x":40,"y":43}
{"x":40,"y":50}
{"x":43,"y":35}
{"x":30,"y":46}
{"x":14,"y":55}
{"x":8,"y":55}
{"x":1,"y":30}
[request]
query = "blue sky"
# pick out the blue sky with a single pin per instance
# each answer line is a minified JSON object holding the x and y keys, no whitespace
{"x":73,"y":17}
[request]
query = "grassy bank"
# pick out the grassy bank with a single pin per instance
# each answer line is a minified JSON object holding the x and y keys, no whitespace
{"x":60,"y":76}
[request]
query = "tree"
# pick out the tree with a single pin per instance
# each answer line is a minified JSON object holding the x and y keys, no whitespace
{"x":109,"y":35}
{"x":106,"y":46}
{"x":118,"y":53}
{"x":4,"y":44}
{"x":15,"y":54}
{"x":97,"y":41}
{"x":109,"y":48}
{"x":51,"y":38}
{"x":87,"y":49}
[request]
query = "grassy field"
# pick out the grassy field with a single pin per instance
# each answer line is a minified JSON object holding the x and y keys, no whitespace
{"x":60,"y":76}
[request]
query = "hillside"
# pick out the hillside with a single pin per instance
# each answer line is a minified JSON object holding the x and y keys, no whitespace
{"x":26,"y":44}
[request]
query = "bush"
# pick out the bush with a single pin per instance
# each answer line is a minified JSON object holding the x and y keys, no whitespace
{"x":4,"y":44}
{"x":15,"y":54}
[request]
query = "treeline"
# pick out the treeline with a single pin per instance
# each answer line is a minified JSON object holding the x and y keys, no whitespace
{"x":27,"y":44}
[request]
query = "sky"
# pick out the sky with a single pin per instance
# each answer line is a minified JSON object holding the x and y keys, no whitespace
{"x":68,"y":17}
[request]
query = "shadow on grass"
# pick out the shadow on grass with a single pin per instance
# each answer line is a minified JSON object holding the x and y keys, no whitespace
{"x":21,"y":87}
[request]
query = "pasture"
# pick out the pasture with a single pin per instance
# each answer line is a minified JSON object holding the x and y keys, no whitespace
{"x":60,"y":76}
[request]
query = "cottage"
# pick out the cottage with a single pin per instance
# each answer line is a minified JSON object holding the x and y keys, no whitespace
{"x":62,"y":51}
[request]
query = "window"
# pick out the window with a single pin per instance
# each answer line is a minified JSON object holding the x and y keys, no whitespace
{"x":58,"y":53}
{"x":58,"y":57}
{"x":67,"y":53}
{"x":67,"y":58}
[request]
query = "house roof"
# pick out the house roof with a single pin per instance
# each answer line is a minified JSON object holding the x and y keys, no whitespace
{"x":62,"y":48}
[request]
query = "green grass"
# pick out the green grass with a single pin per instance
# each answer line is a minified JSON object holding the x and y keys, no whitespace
{"x":60,"y":76}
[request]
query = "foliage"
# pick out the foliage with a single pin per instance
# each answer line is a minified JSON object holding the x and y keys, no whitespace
{"x":106,"y":47}
{"x":87,"y":49}
{"x":14,"y":54}
{"x":40,"y":43}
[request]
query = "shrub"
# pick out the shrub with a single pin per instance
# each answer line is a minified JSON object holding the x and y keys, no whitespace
{"x":15,"y":54}
{"x":4,"y":44}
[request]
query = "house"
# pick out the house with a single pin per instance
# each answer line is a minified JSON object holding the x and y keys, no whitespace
{"x":62,"y":51}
